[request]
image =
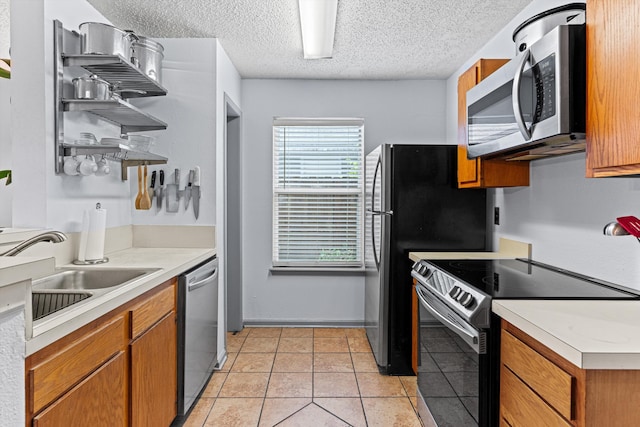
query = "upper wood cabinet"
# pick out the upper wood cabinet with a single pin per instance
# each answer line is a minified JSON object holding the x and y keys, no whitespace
{"x":481,"y":173}
{"x":613,"y":88}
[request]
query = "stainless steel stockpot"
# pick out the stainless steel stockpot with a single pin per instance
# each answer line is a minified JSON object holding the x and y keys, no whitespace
{"x":99,"y":38}
{"x":148,"y":54}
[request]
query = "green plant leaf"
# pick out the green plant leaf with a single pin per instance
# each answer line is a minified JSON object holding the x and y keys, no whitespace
{"x":5,"y":68}
{"x":6,"y":174}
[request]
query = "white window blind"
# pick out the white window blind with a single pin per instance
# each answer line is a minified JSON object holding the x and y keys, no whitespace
{"x":317,"y":192}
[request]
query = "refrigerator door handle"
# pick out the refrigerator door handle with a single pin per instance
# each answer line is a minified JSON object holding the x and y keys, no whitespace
{"x":373,"y":183}
{"x":372,"y":212}
{"x":373,"y":245}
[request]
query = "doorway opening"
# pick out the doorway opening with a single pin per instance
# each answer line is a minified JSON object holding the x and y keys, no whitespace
{"x":233,"y":217}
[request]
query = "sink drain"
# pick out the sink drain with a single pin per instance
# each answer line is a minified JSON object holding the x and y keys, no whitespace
{"x":45,"y":303}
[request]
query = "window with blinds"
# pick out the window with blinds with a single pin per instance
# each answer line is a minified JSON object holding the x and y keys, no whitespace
{"x":317,"y":192}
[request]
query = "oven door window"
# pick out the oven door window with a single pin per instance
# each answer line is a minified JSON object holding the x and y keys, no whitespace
{"x":448,"y":375}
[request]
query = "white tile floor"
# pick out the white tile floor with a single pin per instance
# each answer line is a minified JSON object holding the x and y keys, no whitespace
{"x":304,"y":377}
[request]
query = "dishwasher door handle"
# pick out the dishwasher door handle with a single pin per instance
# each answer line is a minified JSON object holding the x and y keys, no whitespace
{"x":203,"y":282}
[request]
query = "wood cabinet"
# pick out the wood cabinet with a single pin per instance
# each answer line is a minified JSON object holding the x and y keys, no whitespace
{"x":613,"y":88}
{"x":118,"y":370}
{"x":482,"y":173}
{"x":98,"y":400}
{"x":539,"y":387}
{"x":154,"y":361}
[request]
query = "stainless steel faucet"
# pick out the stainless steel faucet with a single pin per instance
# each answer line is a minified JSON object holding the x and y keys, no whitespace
{"x":49,"y":236}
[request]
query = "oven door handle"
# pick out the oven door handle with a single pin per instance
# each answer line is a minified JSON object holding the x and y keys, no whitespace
{"x":471,"y":338}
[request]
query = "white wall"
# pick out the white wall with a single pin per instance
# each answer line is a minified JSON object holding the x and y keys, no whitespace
{"x":5,"y":28}
{"x":12,"y":392}
{"x":394,"y":112}
{"x":45,"y":199}
{"x":189,"y":109}
{"x":562,"y":213}
{"x":42,"y":198}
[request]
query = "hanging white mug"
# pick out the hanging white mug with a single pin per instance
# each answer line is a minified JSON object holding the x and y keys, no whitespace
{"x":88,"y":166}
{"x":71,"y":166}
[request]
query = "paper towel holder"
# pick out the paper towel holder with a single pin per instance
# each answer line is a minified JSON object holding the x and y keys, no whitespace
{"x":91,"y":261}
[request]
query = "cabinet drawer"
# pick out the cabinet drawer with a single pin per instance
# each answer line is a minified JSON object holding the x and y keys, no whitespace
{"x":550,"y":382}
{"x":152,"y":309}
{"x":99,"y":400}
{"x":519,"y":406}
{"x":57,"y":374}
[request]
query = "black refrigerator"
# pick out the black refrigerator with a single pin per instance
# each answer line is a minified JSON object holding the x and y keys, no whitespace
{"x":412,"y":204}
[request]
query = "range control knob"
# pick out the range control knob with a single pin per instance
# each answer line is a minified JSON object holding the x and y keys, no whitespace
{"x":455,"y":292}
{"x":466,"y":300}
{"x":423,"y":269}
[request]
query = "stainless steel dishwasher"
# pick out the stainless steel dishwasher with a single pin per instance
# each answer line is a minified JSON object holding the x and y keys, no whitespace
{"x":197,"y":331}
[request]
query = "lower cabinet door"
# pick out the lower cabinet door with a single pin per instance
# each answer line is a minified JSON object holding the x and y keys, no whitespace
{"x":154,"y":382}
{"x":97,"y":401}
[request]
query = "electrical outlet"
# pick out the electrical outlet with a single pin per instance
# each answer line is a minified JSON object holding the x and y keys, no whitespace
{"x":496,"y":215}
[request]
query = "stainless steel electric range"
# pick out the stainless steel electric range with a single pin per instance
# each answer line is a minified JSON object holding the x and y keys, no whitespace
{"x":458,"y":374}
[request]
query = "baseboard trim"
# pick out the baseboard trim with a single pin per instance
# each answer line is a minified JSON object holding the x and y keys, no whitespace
{"x":303,"y":324}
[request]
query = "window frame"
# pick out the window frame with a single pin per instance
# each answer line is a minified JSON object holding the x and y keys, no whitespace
{"x":302,"y":266}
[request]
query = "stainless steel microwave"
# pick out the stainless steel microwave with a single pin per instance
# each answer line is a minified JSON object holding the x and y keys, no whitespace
{"x":534,"y":105}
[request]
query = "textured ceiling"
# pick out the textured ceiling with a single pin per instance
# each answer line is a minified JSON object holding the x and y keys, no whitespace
{"x":375,"y":39}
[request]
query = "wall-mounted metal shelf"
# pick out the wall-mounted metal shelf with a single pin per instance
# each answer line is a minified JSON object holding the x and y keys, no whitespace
{"x":88,"y":149}
{"x":119,"y":72}
{"x":117,"y":111}
{"x":129,"y":158}
{"x":118,"y":153}
{"x":126,"y":78}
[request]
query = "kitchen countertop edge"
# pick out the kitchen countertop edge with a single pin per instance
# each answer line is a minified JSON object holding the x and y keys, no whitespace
{"x":169,"y":262}
{"x":574,"y":329}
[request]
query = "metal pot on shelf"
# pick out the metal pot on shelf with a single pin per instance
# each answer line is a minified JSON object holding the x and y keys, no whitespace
{"x":91,"y":87}
{"x":148,"y":55}
{"x":105,"y":39}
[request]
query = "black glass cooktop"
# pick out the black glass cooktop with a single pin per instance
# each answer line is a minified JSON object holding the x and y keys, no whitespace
{"x":524,"y":279}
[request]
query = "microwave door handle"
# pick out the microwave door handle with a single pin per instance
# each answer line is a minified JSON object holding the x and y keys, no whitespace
{"x":515,"y":96}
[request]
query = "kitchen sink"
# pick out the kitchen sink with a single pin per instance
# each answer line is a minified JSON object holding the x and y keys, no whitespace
{"x":70,"y":286}
{"x":88,"y":279}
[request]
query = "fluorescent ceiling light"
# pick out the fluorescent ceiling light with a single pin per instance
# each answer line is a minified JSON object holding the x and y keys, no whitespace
{"x":318,"y":23}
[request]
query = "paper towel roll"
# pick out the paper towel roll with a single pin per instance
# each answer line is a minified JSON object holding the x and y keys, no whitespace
{"x":82,"y":248}
{"x":95,"y":234}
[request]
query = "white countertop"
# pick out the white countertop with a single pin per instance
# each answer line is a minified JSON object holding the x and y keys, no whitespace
{"x":589,"y":334}
{"x":507,"y":249}
{"x":15,"y":277}
{"x":169,"y":263}
{"x":18,"y":269}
